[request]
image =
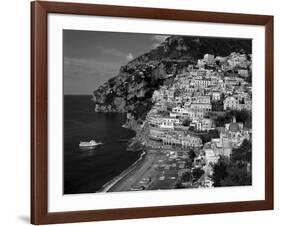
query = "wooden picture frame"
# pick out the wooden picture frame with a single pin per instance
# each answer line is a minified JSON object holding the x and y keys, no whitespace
{"x":39,"y":109}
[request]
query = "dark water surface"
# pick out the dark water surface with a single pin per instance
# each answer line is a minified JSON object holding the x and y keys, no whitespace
{"x":87,"y":171}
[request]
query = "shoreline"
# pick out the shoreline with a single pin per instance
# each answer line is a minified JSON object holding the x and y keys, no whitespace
{"x":113,"y":182}
{"x":131,"y":180}
{"x":133,"y":142}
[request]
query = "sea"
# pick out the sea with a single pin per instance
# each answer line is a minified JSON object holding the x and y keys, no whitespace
{"x":87,"y":171}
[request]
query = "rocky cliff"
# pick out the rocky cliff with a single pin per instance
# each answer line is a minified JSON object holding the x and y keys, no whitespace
{"x":132,"y":88}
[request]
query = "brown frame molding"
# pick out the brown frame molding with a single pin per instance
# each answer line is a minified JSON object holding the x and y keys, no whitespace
{"x":39,"y":107}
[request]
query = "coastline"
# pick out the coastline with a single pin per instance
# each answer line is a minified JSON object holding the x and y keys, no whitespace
{"x":88,"y":171}
{"x":113,"y":182}
{"x":130,"y":176}
{"x":134,"y":144}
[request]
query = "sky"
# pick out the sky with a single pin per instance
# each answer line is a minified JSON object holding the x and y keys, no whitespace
{"x":90,"y":58}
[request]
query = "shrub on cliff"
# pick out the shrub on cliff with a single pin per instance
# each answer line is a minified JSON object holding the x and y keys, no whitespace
{"x":141,"y":109}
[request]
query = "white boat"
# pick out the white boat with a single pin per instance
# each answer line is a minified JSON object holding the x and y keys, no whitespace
{"x":89,"y":145}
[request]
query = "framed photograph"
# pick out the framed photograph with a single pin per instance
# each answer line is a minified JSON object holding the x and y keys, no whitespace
{"x":147,"y":112}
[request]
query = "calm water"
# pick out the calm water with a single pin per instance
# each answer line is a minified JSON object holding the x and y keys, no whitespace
{"x":87,"y":171}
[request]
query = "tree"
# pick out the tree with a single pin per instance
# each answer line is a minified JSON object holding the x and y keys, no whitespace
{"x":237,"y":177}
{"x":197,"y":173}
{"x":186,"y":122}
{"x":219,"y":173}
{"x":220,"y":121}
{"x":217,"y":105}
{"x":191,"y":155}
{"x":186,"y":176}
{"x":191,"y":128}
{"x":243,"y":116}
{"x":249,"y":78}
{"x":141,"y":108}
{"x":236,"y":172}
{"x":242,"y":153}
{"x":207,"y":137}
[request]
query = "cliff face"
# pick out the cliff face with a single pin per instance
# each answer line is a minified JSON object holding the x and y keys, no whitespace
{"x":131,"y":90}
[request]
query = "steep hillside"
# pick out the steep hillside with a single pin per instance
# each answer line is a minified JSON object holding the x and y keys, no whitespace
{"x":132,"y":88}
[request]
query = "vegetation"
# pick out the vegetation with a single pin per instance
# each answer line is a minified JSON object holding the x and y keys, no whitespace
{"x":109,"y":98}
{"x":235,"y":172}
{"x":141,"y":109}
{"x":211,"y":134}
{"x":197,"y":173}
{"x":243,"y":153}
{"x":237,"y":177}
{"x":217,"y":105}
{"x":186,"y":122}
{"x":186,"y":176}
{"x":191,"y":155}
{"x":241,"y":116}
{"x":249,"y":78}
{"x":220,"y":172}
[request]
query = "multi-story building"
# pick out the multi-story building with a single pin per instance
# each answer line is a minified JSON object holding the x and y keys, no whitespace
{"x":234,"y":133}
{"x":201,"y":63}
{"x":201,"y":99}
{"x":185,"y":140}
{"x":233,"y":103}
{"x":230,"y":103}
{"x":232,"y":81}
{"x":246,"y":104}
{"x":203,"y":124}
{"x":168,"y":123}
{"x":221,"y":59}
{"x":202,"y":83}
{"x":209,"y":59}
{"x":216,"y":96}
{"x":201,"y":106}
{"x":198,"y":73}
{"x":158,"y":95}
{"x":196,"y":114}
{"x":243,"y":72}
{"x":237,"y":59}
{"x":211,"y":156}
{"x":221,"y":147}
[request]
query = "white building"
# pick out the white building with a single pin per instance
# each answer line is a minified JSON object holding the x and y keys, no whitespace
{"x":209,"y":58}
{"x":204,"y":124}
{"x":202,"y":83}
{"x":200,"y":106}
{"x":211,"y":156}
{"x":216,"y":96}
{"x":235,"y":133}
{"x":243,"y":73}
{"x":230,"y":103}
{"x":233,"y":103}
{"x":168,"y":123}
{"x":183,"y":140}
{"x":201,"y":99}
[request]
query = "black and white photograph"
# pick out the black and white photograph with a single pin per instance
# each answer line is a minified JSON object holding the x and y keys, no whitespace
{"x":154,"y":112}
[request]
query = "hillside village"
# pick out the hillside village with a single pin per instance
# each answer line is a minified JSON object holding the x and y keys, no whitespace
{"x":194,"y":122}
{"x":190,"y":103}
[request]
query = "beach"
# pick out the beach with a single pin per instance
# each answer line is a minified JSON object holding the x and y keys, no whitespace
{"x":135,"y":173}
{"x":156,"y":170}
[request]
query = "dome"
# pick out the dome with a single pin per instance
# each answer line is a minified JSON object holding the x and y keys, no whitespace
{"x":234,"y":127}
